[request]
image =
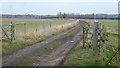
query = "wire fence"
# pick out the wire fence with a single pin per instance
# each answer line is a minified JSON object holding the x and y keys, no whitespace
{"x":96,"y":37}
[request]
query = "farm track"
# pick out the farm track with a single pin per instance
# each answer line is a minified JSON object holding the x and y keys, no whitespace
{"x":55,"y":56}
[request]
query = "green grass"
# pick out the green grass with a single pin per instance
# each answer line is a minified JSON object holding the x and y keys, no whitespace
{"x":111,"y":25}
{"x":112,"y":32}
{"x":25,"y":62}
{"x":8,"y":48}
{"x":31,"y":36}
{"x":48,"y":48}
{"x":81,"y":56}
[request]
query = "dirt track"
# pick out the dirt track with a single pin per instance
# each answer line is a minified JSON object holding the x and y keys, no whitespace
{"x":57,"y":55}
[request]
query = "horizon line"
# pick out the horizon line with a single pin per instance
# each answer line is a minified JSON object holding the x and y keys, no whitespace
{"x":52,"y":14}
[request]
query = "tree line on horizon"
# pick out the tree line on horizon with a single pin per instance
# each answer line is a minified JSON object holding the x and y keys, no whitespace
{"x":65,"y":15}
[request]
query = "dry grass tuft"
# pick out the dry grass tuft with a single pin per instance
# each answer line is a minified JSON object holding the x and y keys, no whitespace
{"x":43,"y":33}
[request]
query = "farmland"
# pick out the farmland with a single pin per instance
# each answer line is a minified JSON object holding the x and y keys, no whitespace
{"x":112,"y":30}
{"x":60,"y":34}
{"x":58,"y":43}
{"x":47,"y":40}
{"x":36,"y":30}
{"x":81,"y":56}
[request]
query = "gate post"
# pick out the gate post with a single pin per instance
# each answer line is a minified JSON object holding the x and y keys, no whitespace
{"x":25,"y":27}
{"x":83,"y":36}
{"x":13,"y":30}
{"x":95,"y":38}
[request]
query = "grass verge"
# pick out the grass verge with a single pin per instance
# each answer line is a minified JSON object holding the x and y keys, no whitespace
{"x":81,"y":56}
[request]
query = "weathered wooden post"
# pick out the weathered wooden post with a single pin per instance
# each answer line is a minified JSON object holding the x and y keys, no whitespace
{"x":95,"y":38}
{"x":99,"y":36}
{"x":11,"y":31}
{"x":103,"y":43}
{"x":25,"y":28}
{"x":83,"y":36}
{"x":100,"y":43}
{"x":86,"y":30}
{"x":14,"y":31}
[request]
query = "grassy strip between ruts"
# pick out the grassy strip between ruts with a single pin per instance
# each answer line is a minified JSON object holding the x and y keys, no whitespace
{"x":47,"y":49}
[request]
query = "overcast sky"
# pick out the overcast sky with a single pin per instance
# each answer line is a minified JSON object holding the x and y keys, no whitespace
{"x":59,"y":0}
{"x":54,"y":6}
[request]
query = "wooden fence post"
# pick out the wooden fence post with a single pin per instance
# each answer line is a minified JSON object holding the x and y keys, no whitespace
{"x":103,"y":44}
{"x":11,"y":31}
{"x":95,"y":38}
{"x":25,"y":28}
{"x":83,"y":36}
{"x":14,"y":31}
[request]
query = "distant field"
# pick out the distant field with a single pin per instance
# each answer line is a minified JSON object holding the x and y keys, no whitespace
{"x":34,"y":25}
{"x":112,"y":29}
{"x":36,"y":30}
{"x":37,"y":26}
{"x":111,"y":25}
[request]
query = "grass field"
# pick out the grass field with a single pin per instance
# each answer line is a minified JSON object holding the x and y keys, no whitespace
{"x":112,"y":29}
{"x":111,"y":25}
{"x":81,"y":56}
{"x":36,"y":30}
{"x":37,"y":26}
